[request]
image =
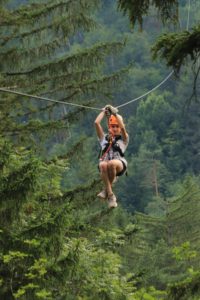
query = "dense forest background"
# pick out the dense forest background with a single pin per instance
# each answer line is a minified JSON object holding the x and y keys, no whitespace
{"x":57,"y":241}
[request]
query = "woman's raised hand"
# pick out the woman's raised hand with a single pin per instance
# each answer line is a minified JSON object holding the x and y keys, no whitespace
{"x":110,"y":110}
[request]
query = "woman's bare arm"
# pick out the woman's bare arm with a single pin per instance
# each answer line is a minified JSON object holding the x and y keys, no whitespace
{"x":123,"y":129}
{"x":98,"y":127}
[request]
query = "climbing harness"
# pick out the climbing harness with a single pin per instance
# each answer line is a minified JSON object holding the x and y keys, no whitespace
{"x":111,"y":138}
{"x":103,"y":153}
{"x":112,"y":143}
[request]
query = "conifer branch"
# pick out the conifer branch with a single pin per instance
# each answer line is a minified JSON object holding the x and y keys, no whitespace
{"x":64,"y":24}
{"x":35,"y":126}
{"x":17,"y":54}
{"x":19,"y":182}
{"x":35,"y":110}
{"x":37,"y":10}
{"x":137,"y":9}
{"x":175,"y":48}
{"x":91,"y":86}
{"x":70,"y":199}
{"x":73,"y":152}
{"x":82,"y":59}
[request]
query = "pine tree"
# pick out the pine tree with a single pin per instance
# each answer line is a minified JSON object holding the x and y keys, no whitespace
{"x":136,"y":10}
{"x":165,"y":249}
{"x":45,"y":251}
{"x":177,"y":49}
{"x":38,"y":56}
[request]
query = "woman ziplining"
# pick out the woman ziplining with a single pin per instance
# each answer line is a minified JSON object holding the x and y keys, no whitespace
{"x":113,"y":146}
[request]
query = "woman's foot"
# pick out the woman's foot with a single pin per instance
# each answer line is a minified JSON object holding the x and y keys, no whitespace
{"x":103,"y":194}
{"x":115,"y":179}
{"x":112,"y":201}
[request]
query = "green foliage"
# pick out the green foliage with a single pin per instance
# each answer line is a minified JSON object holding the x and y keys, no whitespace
{"x":43,"y":294}
{"x":149,"y":294}
{"x":165,"y":147}
{"x":13,"y":256}
{"x":136,"y":10}
{"x":23,"y":283}
{"x":164,"y":249}
{"x":183,"y":252}
{"x":57,"y":241}
{"x":186,"y":289}
{"x":176,"y":47}
{"x":43,"y":41}
{"x":179,"y":48}
{"x":45,"y":256}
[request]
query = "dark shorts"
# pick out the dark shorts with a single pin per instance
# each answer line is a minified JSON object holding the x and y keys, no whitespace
{"x":122,"y":171}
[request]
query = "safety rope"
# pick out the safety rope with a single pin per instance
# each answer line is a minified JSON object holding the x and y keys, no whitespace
{"x":98,"y":108}
{"x":108,"y":149}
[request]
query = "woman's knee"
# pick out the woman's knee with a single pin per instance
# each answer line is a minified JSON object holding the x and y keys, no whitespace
{"x":103,"y":167}
{"x":111,"y":165}
{"x":115,"y":166}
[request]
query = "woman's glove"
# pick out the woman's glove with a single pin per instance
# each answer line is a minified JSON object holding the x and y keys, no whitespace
{"x":110,"y":110}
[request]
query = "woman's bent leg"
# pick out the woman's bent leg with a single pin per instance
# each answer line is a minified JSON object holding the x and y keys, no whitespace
{"x":115,"y":166}
{"x":103,"y":166}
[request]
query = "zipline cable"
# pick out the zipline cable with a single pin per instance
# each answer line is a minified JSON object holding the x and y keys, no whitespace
{"x":46,"y":99}
{"x":153,"y":89}
{"x":167,"y":77}
{"x":98,"y":108}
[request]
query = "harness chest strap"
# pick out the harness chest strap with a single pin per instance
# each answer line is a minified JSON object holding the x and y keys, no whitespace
{"x":112,"y":143}
{"x":107,"y":150}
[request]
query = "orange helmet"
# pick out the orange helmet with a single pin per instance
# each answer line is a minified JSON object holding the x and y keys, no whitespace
{"x":112,"y":120}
